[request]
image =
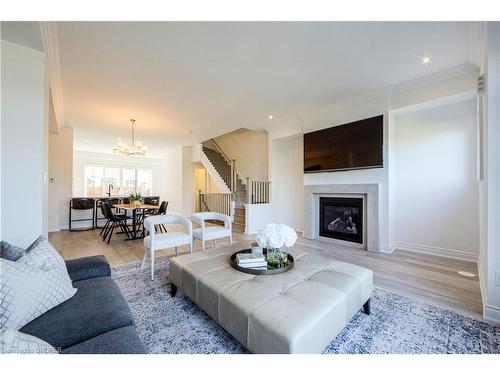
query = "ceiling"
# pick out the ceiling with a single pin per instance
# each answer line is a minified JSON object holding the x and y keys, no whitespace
{"x":188,"y":81}
{"x":24,"y":33}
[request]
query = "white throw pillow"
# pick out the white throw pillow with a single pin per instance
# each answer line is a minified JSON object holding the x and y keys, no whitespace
{"x":15,"y":342}
{"x":32,"y":285}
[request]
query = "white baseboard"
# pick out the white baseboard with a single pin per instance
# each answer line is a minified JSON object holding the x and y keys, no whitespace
{"x":482,"y":283}
{"x":439,"y":251}
{"x":387,"y":249}
{"x":492,"y":314}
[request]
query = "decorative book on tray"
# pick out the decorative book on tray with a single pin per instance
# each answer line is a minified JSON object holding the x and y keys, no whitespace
{"x":251,"y":260}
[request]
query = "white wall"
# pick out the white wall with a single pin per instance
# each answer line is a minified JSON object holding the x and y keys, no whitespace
{"x":287,"y":187}
{"x":188,"y":182}
{"x":250,"y":150}
{"x":60,"y":178}
{"x":436,"y":189}
{"x":489,"y":260}
{"x":257,"y":216}
{"x":23,"y":151}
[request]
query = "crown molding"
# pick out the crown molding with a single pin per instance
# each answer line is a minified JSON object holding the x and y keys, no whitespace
{"x":383,"y":96}
{"x":50,"y":42}
{"x":430,"y":79}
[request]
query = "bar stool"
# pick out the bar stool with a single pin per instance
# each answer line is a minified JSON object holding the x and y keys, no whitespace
{"x":81,"y":204}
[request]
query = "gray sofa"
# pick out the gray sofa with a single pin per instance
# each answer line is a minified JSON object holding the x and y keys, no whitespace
{"x":96,"y":320}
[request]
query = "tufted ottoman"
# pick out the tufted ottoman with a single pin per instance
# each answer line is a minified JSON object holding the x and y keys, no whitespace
{"x":299,"y":311}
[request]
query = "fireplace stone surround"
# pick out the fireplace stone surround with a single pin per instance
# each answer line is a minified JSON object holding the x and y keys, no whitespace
{"x":370,"y":192}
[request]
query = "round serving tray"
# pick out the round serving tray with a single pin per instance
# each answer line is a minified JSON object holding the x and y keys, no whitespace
{"x":256,"y":271}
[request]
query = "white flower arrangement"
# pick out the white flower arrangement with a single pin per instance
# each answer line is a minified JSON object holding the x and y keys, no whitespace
{"x":275,"y":236}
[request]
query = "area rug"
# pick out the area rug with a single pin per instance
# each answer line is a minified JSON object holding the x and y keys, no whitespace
{"x":397,"y":324}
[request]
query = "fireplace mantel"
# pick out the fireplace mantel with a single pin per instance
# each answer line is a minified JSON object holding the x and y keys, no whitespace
{"x":370,"y":191}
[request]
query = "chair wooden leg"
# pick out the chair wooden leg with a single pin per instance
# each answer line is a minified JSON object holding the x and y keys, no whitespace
{"x":163,"y":226}
{"x":215,"y":243}
{"x":176,"y":251}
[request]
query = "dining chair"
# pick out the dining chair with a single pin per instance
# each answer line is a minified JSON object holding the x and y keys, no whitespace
{"x":98,"y":202}
{"x":211,"y":232}
{"x":161,"y":241}
{"x":113,"y":221}
{"x":162,"y":210}
{"x":152,"y":200}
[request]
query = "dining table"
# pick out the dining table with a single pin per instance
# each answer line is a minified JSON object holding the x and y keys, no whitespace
{"x":134,"y":208}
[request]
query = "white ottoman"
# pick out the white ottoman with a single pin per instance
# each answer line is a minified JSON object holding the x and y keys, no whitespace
{"x":299,"y":311}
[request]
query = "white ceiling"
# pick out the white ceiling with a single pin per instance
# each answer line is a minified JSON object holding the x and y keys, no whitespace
{"x":25,"y":33}
{"x":214,"y":77}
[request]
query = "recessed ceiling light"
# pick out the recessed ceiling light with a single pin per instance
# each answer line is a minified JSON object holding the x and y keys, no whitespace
{"x":271,"y":117}
{"x":189,"y":132}
{"x":86,"y":139}
{"x":425,"y":60}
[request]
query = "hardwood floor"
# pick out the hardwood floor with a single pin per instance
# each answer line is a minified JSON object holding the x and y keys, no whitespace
{"x":428,"y":278}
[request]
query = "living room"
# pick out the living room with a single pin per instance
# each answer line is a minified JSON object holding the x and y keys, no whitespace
{"x":236,"y":187}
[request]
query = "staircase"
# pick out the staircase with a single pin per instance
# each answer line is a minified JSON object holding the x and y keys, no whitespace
{"x":226,"y":170}
{"x":239,"y":220}
{"x":220,"y":163}
{"x":223,"y":171}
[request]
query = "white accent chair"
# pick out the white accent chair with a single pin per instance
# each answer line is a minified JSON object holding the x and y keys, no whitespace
{"x":161,"y":241}
{"x":211,"y":232}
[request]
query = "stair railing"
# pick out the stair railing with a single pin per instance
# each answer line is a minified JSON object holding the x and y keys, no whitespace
{"x":258,"y":191}
{"x":216,"y":202}
{"x":211,"y":144}
{"x":202,"y":204}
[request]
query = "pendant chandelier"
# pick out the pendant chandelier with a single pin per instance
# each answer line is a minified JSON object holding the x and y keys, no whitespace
{"x":124,"y":149}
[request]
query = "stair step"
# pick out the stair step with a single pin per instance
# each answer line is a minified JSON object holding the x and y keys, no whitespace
{"x":239,"y":220}
{"x":239,"y":228}
{"x":239,"y":216}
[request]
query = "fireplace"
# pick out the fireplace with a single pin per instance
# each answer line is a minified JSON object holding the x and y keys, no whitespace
{"x":341,"y":218}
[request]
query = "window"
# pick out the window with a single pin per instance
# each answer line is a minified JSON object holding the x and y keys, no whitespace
{"x":124,"y":181}
{"x":93,"y":181}
{"x":128,"y":181}
{"x":144,"y":181}
{"x":112,"y":177}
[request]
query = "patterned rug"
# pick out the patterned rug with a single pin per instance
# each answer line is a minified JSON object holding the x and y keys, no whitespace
{"x":396,"y":325}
